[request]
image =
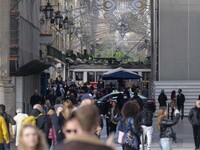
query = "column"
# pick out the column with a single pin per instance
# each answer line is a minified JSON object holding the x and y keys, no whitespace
{"x":6,"y":88}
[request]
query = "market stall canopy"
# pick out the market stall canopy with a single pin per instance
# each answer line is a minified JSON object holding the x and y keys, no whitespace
{"x":120,"y":73}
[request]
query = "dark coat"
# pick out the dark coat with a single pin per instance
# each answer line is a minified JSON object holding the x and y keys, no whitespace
{"x":35,"y":99}
{"x":84,"y":143}
{"x":194,"y":116}
{"x":42,"y":121}
{"x":162,"y":99}
{"x":180,"y":100}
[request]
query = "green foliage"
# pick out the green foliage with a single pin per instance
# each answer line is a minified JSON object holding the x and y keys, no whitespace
{"x":119,"y":55}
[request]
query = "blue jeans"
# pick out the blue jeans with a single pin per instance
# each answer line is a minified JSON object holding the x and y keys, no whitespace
{"x":166,"y":144}
{"x":6,"y":146}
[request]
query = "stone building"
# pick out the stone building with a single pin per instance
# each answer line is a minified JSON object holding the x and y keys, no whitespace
{"x":6,"y":88}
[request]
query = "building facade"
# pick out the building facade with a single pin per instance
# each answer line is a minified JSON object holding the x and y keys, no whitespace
{"x":6,"y":88}
{"x":176,"y":48}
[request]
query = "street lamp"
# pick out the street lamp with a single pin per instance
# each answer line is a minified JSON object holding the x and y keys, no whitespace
{"x":65,"y":23}
{"x":48,"y":11}
{"x":58,"y":18}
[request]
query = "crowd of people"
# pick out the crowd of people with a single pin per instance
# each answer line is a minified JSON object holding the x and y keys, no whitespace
{"x":67,"y":118}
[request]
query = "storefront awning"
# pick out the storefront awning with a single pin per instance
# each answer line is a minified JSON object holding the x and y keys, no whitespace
{"x":33,"y":67}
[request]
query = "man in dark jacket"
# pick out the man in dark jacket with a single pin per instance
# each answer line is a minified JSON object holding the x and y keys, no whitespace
{"x":51,"y":98}
{"x":147,"y":122}
{"x":42,"y":121}
{"x":35,"y":99}
{"x":162,"y":99}
{"x":87,"y":118}
{"x":194,"y":118}
{"x":180,"y":102}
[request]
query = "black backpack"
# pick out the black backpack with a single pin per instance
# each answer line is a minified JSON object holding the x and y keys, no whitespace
{"x":146,"y":118}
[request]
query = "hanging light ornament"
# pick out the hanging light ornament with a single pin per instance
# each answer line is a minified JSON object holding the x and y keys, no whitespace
{"x":48,"y":11}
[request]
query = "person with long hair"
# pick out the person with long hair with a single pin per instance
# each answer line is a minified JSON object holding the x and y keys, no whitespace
{"x":131,"y":127}
{"x":65,"y":115}
{"x":173,"y":103}
{"x":165,"y":128}
{"x":30,"y":138}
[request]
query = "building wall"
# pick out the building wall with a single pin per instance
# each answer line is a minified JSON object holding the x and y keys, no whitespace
{"x":6,"y":88}
{"x":28,"y":50}
{"x":179,"y":40}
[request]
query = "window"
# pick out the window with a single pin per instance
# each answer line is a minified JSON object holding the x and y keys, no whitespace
{"x":79,"y":76}
{"x":99,"y":76}
{"x":91,"y":76}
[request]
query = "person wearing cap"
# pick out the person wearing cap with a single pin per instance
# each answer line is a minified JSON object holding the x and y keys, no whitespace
{"x":112,"y":114}
{"x":18,"y":119}
{"x":194,"y":118}
{"x":180,"y":102}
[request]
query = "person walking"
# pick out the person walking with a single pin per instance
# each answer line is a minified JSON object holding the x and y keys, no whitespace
{"x":4,"y":134}
{"x":30,"y":138}
{"x":180,"y":102}
{"x":194,"y":118}
{"x":165,"y":128}
{"x":173,"y":103}
{"x":84,"y":139}
{"x":41,"y":120}
{"x":131,"y":126}
{"x":113,"y":113}
{"x":18,"y":119}
{"x":35,"y":99}
{"x":162,"y":99}
{"x":147,"y":125}
{"x":9,"y":120}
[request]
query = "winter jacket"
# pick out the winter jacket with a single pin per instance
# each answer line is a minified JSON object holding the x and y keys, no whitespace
{"x":41,"y":122}
{"x":166,"y":127}
{"x":19,"y":118}
{"x":146,"y":117}
{"x":162,"y":99}
{"x":180,"y":100}
{"x":84,"y":143}
{"x":8,"y":119}
{"x":35,"y":99}
{"x":194,"y":116}
{"x":4,"y":134}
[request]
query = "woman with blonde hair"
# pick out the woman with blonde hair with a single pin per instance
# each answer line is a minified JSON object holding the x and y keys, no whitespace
{"x":30,"y":138}
{"x":64,"y":115}
{"x":165,"y":128}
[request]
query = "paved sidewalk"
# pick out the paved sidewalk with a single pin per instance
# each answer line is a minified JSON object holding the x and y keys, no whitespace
{"x":183,"y":131}
{"x":184,"y":137}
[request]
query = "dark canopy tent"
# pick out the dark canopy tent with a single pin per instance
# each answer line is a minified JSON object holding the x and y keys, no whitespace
{"x":120,"y":73}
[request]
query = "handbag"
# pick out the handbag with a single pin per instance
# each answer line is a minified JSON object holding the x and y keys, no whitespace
{"x":120,"y":137}
{"x":120,"y":133}
{"x":131,"y":139}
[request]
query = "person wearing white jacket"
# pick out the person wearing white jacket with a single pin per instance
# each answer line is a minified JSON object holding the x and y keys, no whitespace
{"x":18,"y":118}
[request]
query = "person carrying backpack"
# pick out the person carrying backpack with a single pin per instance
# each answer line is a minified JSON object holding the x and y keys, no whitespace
{"x":41,"y":120}
{"x":146,"y":124}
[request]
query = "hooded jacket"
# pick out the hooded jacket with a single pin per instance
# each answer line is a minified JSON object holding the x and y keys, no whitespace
{"x":41,"y":122}
{"x":4,"y":135}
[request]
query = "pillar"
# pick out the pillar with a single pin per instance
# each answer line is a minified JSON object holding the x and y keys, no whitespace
{"x":6,"y":88}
